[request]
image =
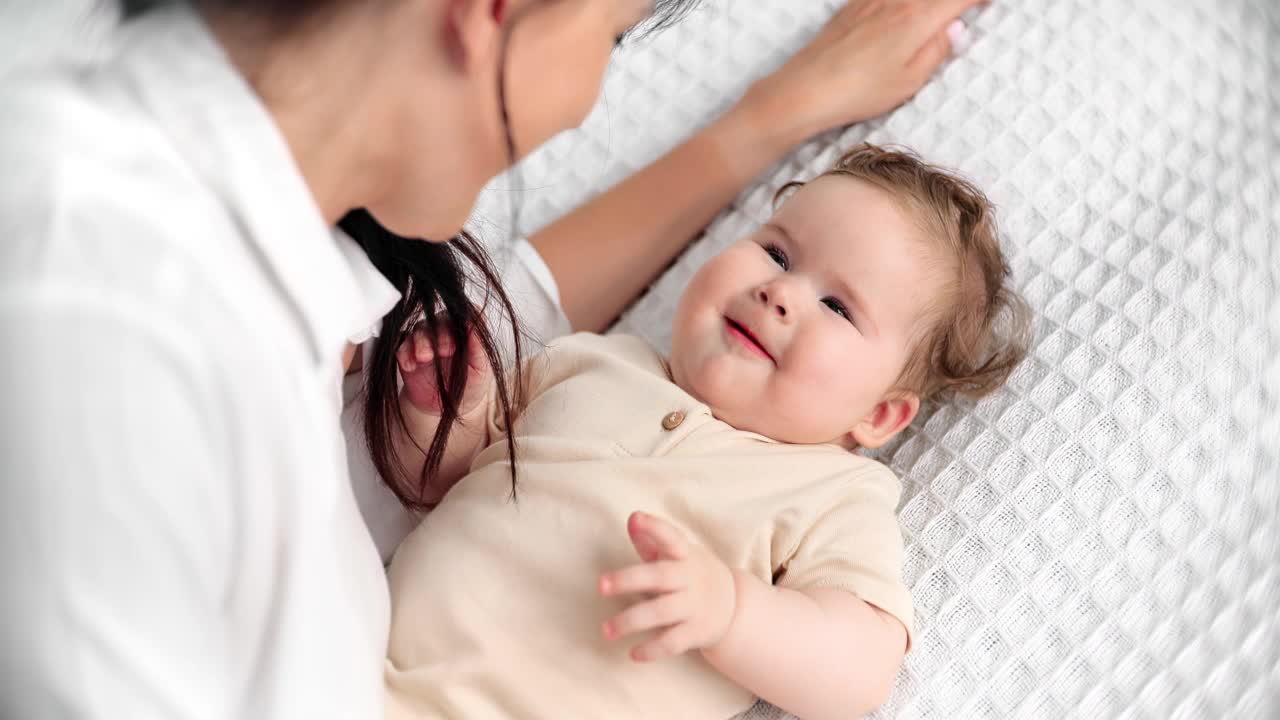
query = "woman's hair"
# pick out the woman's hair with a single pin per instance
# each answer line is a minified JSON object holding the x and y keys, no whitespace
{"x":433,"y":280}
{"x":978,"y":329}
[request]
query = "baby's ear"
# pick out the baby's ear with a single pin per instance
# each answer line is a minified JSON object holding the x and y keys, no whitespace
{"x":886,"y":419}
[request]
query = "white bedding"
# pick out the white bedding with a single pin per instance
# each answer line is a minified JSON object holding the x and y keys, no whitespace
{"x":1101,"y":539}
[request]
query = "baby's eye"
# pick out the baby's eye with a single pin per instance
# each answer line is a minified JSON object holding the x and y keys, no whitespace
{"x":838,"y":308}
{"x":778,"y":256}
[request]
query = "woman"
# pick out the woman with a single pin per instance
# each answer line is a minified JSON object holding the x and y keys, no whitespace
{"x":180,"y":537}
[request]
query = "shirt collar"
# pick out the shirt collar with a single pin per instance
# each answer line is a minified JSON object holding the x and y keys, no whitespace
{"x":378,"y":295}
{"x":216,"y":120}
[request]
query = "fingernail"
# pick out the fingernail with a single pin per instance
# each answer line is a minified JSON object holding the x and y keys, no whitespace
{"x":958,"y":34}
{"x":605,"y":586}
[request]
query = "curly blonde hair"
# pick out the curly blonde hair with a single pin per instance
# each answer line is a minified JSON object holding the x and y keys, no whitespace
{"x":978,"y":329}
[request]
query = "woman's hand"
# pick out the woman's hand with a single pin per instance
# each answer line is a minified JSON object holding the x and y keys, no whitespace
{"x":870,"y":58}
{"x":417,"y":361}
{"x":692,"y":592}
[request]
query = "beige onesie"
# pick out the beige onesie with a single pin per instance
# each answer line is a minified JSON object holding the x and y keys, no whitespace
{"x":495,"y":612}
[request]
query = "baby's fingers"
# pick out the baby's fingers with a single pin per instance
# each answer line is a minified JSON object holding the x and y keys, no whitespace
{"x":656,"y":538}
{"x":650,"y":577}
{"x":674,"y":641}
{"x":423,"y":351}
{"x":659,"y":612}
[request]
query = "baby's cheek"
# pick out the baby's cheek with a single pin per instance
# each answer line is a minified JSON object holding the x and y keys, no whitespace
{"x":714,"y":380}
{"x":836,"y":405}
{"x":797,"y":411}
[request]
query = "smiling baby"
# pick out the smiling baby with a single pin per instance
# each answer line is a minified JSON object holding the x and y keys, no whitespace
{"x":696,"y":531}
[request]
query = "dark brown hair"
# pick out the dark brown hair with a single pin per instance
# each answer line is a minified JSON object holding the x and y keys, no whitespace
{"x":433,"y":280}
{"x":978,"y":330}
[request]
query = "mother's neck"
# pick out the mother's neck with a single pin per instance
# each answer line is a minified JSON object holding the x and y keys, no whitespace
{"x":327,"y":88}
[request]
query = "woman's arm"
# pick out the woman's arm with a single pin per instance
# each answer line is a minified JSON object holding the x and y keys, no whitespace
{"x":608,"y":251}
{"x":116,"y":517}
{"x":871,"y":57}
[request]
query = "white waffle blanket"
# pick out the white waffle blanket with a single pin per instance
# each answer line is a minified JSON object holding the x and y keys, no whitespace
{"x":1102,"y":538}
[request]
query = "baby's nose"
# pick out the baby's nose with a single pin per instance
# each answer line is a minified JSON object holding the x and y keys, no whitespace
{"x":775,"y":300}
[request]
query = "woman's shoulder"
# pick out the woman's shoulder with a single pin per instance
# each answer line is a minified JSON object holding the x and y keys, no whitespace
{"x":68,"y":111}
{"x":85,"y":124}
{"x":90,"y":185}
{"x":100,"y":218}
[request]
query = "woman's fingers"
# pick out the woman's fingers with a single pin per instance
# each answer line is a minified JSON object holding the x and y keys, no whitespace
{"x":933,"y":54}
{"x":658,"y":612}
{"x":945,"y":11}
{"x":933,"y":16}
{"x":656,"y":537}
{"x":648,"y":577}
{"x":871,"y":56}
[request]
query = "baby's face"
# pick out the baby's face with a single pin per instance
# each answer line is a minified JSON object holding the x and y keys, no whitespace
{"x":799,"y":331}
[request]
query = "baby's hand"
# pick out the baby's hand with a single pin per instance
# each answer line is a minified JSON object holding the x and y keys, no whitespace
{"x":692,"y":592}
{"x":417,"y":362}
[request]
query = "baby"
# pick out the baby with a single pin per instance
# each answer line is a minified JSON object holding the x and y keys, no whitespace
{"x":708,"y":510}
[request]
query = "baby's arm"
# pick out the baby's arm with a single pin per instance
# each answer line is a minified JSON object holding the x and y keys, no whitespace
{"x":816,"y":654}
{"x":420,"y":405}
{"x":821,"y":653}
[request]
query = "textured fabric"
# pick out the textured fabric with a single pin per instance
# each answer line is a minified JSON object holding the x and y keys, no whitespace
{"x":178,"y":536}
{"x":495,"y":612}
{"x":1101,"y":538}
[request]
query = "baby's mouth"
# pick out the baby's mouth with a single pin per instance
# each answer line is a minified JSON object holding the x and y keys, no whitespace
{"x":740,"y":333}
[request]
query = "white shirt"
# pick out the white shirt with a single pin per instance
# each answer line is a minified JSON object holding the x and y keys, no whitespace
{"x":81,"y":32}
{"x":34,"y":32}
{"x":178,"y":532}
